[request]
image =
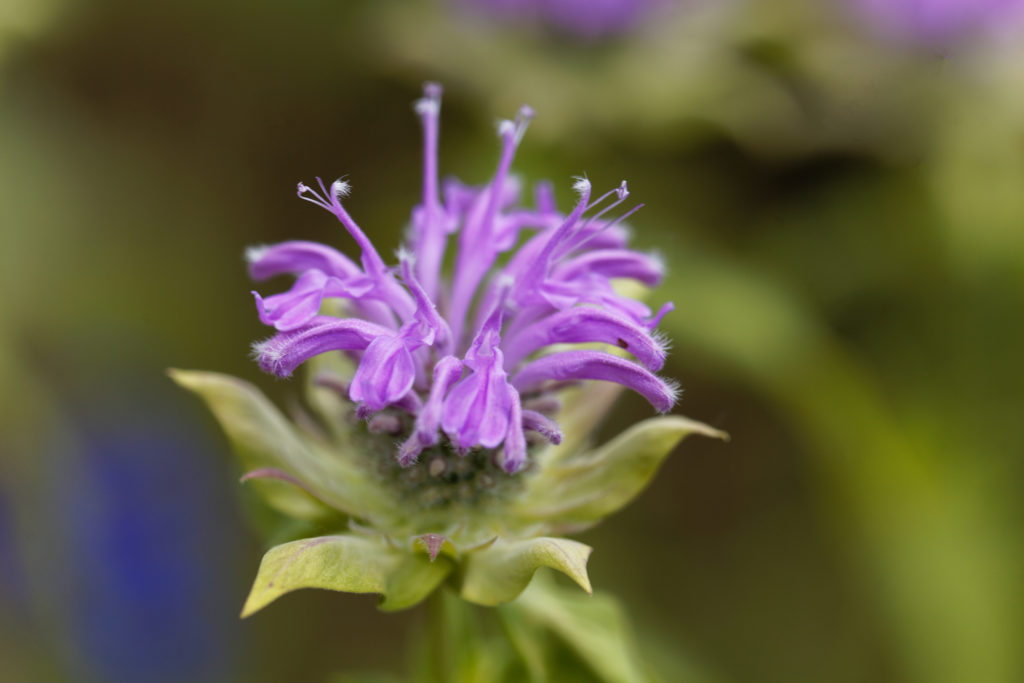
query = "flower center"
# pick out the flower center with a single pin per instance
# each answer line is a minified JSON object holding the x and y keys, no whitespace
{"x":442,"y":479}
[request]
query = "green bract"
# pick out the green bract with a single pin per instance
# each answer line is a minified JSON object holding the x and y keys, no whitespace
{"x":402,"y":532}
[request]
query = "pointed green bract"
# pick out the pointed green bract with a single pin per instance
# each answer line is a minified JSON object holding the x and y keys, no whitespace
{"x":500,"y":572}
{"x":352,"y":564}
{"x":342,"y":563}
{"x":263,"y":439}
{"x":577,"y":492}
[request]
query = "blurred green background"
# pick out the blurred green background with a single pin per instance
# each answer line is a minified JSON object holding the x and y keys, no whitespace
{"x":843,"y":218}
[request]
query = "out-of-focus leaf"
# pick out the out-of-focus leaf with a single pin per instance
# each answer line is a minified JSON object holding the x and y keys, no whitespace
{"x":594,"y":627}
{"x":500,"y":572}
{"x":529,"y":642}
{"x":581,"y":491}
{"x":263,"y":439}
{"x":366,"y":678}
{"x":457,"y":645}
{"x":352,"y":564}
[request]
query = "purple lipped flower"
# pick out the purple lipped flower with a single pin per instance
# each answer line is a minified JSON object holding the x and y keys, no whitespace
{"x":941,"y":21}
{"x":450,"y":358}
{"x":583,"y":18}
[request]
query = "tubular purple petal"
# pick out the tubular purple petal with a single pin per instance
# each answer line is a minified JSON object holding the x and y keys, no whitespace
{"x":614,"y":263}
{"x":442,"y":347}
{"x":543,"y":425}
{"x":282,"y":353}
{"x":385,"y":374}
{"x":570,"y":365}
{"x":515,"y":440}
{"x":296,"y":257}
{"x":446,"y":373}
{"x":297,"y":306}
{"x":585,"y":324}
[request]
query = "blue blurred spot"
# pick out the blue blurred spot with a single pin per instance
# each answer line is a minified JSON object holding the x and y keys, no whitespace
{"x":147,"y":536}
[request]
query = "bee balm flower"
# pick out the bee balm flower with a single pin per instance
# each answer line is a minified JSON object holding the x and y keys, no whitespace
{"x":942,"y":21}
{"x":452,"y":391}
{"x":584,"y":18}
{"x":460,"y":356}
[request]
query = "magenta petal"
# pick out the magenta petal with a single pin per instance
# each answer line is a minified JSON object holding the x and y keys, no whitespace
{"x":447,"y":371}
{"x":569,"y":365}
{"x":585,"y":324}
{"x":613,"y":263}
{"x":294,"y":308}
{"x":297,"y":257}
{"x":543,"y":425}
{"x":515,"y":440}
{"x":284,"y":352}
{"x":476,"y":412}
{"x":385,"y":374}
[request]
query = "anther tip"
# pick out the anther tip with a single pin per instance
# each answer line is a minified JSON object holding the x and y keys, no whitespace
{"x":341,"y":188}
{"x":582,"y":185}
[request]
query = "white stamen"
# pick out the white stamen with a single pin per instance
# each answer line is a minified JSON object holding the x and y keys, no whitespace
{"x":657,"y":260}
{"x":582,"y":185}
{"x":425,"y":106}
{"x":405,"y":256}
{"x":661,"y":340}
{"x":267,"y":350}
{"x":523,"y":118}
{"x":622,"y":191}
{"x":340,"y":189}
{"x":506,"y":127}
{"x":255,"y":253}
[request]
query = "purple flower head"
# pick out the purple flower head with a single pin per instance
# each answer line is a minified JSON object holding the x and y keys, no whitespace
{"x":940,"y":21}
{"x":454,"y":356}
{"x":585,"y":18}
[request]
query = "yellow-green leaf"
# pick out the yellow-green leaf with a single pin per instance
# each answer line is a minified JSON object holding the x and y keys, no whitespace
{"x":577,"y":492}
{"x":353,"y":564}
{"x":264,"y":440}
{"x":500,"y":572}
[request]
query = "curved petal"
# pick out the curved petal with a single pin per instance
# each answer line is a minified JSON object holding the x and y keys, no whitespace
{"x":476,"y":411}
{"x":598,"y":365}
{"x":297,"y":257}
{"x":284,"y":352}
{"x":613,"y":263}
{"x":294,"y":308}
{"x":515,"y":440}
{"x":447,"y":371}
{"x":584,"y":324}
{"x":385,"y":374}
